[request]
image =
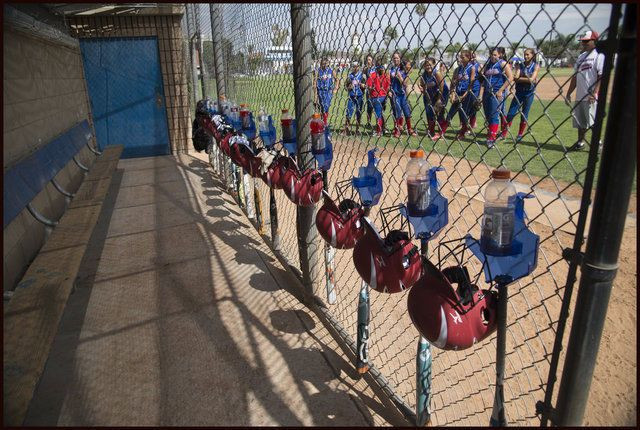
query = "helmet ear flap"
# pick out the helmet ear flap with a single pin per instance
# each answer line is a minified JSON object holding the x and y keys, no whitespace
{"x":394,"y":237}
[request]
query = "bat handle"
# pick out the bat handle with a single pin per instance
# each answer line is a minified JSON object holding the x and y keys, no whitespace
{"x":423,"y":368}
{"x":273,"y":215}
{"x":423,"y":383}
{"x":498,"y":417}
{"x":362,"y":361}
{"x":329,"y":253}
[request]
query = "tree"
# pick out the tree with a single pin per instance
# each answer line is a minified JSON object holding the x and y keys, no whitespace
{"x":514,"y":48}
{"x":421,"y":10}
{"x":473,"y":47}
{"x":279,"y":35}
{"x":390,"y":34}
{"x":435,"y":46}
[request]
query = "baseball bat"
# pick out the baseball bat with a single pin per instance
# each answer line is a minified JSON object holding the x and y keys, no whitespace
{"x":423,"y":370}
{"x":362,"y":344}
{"x":498,"y":417}
{"x":245,"y":192}
{"x":273,"y":217}
{"x":329,"y":254}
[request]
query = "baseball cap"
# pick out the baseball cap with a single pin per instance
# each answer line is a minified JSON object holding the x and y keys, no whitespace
{"x":354,"y":63}
{"x":590,"y":35}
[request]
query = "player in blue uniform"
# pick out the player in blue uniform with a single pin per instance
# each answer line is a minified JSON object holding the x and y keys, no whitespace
{"x":355,"y":85}
{"x":368,"y":69}
{"x":399,"y":103}
{"x":496,"y":76}
{"x":325,"y":87}
{"x":435,"y":93}
{"x":526,"y":76}
{"x":475,"y":88}
{"x":463,"y":97}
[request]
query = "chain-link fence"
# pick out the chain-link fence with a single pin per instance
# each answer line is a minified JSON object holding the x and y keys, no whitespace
{"x":529,"y":129}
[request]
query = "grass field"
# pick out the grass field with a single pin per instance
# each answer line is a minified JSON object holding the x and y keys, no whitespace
{"x":541,"y":153}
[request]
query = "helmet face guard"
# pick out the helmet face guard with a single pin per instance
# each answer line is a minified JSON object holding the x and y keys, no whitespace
{"x":450,"y":319}
{"x":341,"y":226}
{"x":391,"y":265}
{"x":303,"y":189}
{"x":224,"y":145}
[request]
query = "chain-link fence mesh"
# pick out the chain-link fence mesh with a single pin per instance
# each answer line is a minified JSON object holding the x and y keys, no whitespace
{"x":543,"y":154}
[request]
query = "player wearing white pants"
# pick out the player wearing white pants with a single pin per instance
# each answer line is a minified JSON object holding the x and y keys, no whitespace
{"x":586,"y":82}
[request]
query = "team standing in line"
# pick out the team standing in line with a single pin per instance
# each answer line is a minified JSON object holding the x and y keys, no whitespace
{"x":473,"y":87}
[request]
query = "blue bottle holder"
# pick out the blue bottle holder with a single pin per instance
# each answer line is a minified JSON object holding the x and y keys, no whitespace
{"x":237,"y":125}
{"x":291,"y":145}
{"x":522,"y":257}
{"x":368,"y":183}
{"x":250,"y":132}
{"x":325,"y":158}
{"x":269,"y":138}
{"x":428,"y":226}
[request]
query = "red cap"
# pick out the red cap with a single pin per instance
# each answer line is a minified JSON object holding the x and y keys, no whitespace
{"x":590,"y":35}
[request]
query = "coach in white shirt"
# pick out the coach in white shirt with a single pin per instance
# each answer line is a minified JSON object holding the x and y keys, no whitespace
{"x":586,"y":82}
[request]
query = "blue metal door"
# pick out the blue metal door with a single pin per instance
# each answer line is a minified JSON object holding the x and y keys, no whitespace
{"x":126,"y":93}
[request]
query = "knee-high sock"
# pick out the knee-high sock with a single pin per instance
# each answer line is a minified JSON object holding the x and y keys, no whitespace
{"x":523,"y":127}
{"x":493,"y":130}
{"x":432,"y":126}
{"x":380,"y":125}
{"x":409,"y":128}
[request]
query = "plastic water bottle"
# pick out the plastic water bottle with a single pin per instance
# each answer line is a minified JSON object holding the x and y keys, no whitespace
{"x":235,"y":114}
{"x":418,"y":192}
{"x":244,"y":117}
{"x":287,"y":125}
{"x":318,"y":143}
{"x":499,"y":214}
{"x":225,"y":106}
{"x":263,"y":121}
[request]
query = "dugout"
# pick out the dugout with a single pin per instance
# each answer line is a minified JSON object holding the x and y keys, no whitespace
{"x":119,"y":70}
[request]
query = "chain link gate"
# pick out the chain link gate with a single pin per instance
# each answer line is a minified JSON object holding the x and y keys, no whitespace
{"x":258,"y":60}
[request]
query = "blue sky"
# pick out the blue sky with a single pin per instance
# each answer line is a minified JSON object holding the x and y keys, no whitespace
{"x":486,"y":24}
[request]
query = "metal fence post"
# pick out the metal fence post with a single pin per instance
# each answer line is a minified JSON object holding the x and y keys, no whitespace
{"x":611,"y":202}
{"x":218,"y":60}
{"x":194,"y":71}
{"x":199,"y":51}
{"x":303,"y":90}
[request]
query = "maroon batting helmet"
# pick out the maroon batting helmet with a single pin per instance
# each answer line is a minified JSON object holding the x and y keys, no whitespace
{"x":341,"y":226}
{"x":451,"y":319}
{"x":391,"y":265}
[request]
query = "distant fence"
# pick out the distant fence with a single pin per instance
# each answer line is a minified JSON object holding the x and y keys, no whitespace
{"x":533,"y":136}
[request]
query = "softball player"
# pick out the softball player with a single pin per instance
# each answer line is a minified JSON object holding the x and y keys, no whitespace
{"x":496,"y":76}
{"x":368,"y":69}
{"x":463,"y":97}
{"x":526,"y":75}
{"x":378,"y":84}
{"x":435,"y":94}
{"x":325,"y":78}
{"x":475,"y":88}
{"x":399,"y":103}
{"x":355,"y":86}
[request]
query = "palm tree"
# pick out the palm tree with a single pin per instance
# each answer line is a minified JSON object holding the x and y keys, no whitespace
{"x":390,"y":34}
{"x":435,"y":44}
{"x":472,"y":46}
{"x":421,"y":10}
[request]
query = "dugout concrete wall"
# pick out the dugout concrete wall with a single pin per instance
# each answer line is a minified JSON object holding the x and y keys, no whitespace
{"x":44,"y":95}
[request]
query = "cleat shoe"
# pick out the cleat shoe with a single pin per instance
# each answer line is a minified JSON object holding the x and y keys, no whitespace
{"x":436,"y":137}
{"x":412,"y":133}
{"x":490,"y":143}
{"x":578,"y":146}
{"x":519,"y":138}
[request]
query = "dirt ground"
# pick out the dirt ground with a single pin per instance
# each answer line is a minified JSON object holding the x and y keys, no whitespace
{"x":463,"y":381}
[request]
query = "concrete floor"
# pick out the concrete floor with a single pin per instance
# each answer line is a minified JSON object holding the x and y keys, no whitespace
{"x":183,"y":316}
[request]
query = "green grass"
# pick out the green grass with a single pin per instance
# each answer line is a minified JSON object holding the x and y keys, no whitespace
{"x":541,"y":153}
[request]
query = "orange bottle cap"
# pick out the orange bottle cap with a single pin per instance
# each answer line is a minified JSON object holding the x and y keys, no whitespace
{"x":416,"y":153}
{"x":316,"y":115}
{"x":285,"y":110}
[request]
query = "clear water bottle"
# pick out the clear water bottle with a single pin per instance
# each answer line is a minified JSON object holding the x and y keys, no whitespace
{"x":287,"y":125}
{"x":499,"y":214}
{"x":244,"y":117}
{"x":318,"y":143}
{"x":263,"y":121}
{"x":418,"y":192}
{"x":235,"y":113}
{"x":226,"y":109}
